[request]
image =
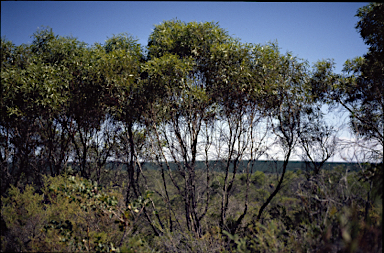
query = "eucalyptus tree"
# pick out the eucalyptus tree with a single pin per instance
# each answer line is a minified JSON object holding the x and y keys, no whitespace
{"x":129,"y":97}
{"x":16,"y":123}
{"x":370,"y":116}
{"x":359,"y":89}
{"x":238,"y":121}
{"x":35,"y":88}
{"x":58,"y":54}
{"x":318,"y":140}
{"x":188,"y":76}
{"x":164,"y":74}
{"x":284,"y":98}
{"x":362,"y":92}
{"x":87,"y":105}
{"x":128,"y":100}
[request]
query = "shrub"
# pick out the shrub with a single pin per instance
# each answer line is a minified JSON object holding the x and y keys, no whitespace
{"x":71,"y":214}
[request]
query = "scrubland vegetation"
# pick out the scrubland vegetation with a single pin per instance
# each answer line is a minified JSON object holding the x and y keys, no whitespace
{"x":329,"y":212}
{"x":115,"y":148}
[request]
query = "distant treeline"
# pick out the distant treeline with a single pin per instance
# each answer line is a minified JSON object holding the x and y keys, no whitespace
{"x":262,"y":165}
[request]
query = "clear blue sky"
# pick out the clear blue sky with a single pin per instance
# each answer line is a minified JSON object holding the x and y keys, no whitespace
{"x":312,"y":31}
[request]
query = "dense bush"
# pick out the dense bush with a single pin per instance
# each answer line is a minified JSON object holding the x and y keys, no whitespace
{"x":71,"y":214}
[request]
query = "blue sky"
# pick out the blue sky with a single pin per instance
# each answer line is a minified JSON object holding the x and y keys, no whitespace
{"x":312,"y":31}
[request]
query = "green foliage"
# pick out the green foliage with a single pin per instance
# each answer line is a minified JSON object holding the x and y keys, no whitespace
{"x":196,"y":93}
{"x":23,"y":217}
{"x":370,"y":26}
{"x":122,"y":68}
{"x":185,"y":39}
{"x":361,"y":90}
{"x":258,"y":178}
{"x":72,"y":214}
{"x":369,"y":84}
